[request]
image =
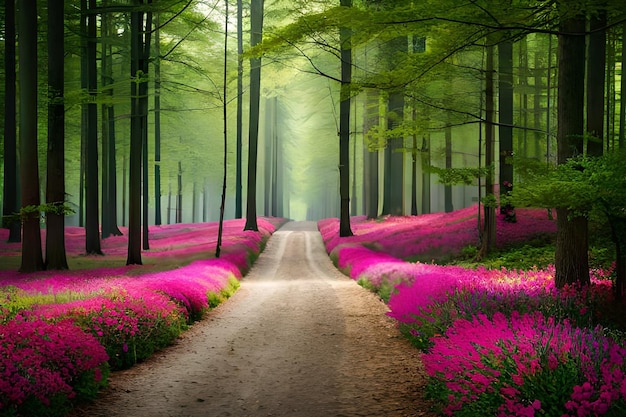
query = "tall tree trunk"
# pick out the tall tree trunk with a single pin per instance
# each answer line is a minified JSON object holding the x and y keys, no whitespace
{"x":10,"y":200}
{"x":239,"y":145}
{"x":157,"y":121}
{"x":179,"y":194}
{"x":144,"y":64}
{"x":344,"y":127}
{"x":256,"y":36}
{"x":596,"y":68}
{"x":32,"y":255}
{"x":414,"y":173}
{"x":109,"y":170}
{"x":218,"y":247}
{"x":489,"y":228}
{"x":370,"y":150}
{"x":622,"y":101}
{"x":136,"y":139}
{"x":55,"y":184}
{"x":447,"y":191}
{"x":505,"y":130}
{"x":92,"y":217}
{"x":571,"y":257}
{"x":425,"y":153}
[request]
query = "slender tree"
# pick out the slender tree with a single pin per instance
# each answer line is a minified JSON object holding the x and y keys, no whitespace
{"x":488,"y":236}
{"x":92,"y":217}
{"x":256,"y":36}
{"x":55,"y":185}
{"x":218,"y":247}
{"x":157,"y":120}
{"x":622,"y":107}
{"x":505,"y":127}
{"x":344,"y":128}
{"x":136,"y":137}
{"x":10,"y":201}
{"x":32,"y":255}
{"x":239,"y":146}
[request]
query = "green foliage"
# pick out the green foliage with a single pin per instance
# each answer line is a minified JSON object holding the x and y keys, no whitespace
{"x":58,"y":208}
{"x":384,"y":290}
{"x":461,"y":176}
{"x":215,"y":299}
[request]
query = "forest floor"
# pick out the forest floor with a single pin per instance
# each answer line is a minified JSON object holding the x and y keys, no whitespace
{"x":298,"y":339}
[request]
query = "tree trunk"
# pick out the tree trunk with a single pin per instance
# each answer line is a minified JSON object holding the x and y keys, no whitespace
{"x":179,"y":194}
{"x":157,"y":122}
{"x":256,"y":36}
{"x":10,"y":201}
{"x":344,"y":128}
{"x":218,"y":247}
{"x":489,"y":210}
{"x":239,"y":145}
{"x":394,"y":169}
{"x":136,"y":138}
{"x":32,"y":256}
{"x":447,"y":191}
{"x":55,"y":184}
{"x":425,"y":152}
{"x":571,"y":257}
{"x":109,"y":174}
{"x":370,"y":157}
{"x":596,"y":68}
{"x":144,"y":61}
{"x":505,"y":130}
{"x":414,"y":173}
{"x":622,"y":108}
{"x":92,"y":217}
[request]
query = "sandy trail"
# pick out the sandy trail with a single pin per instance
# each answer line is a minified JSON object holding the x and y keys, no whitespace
{"x":297,"y":339}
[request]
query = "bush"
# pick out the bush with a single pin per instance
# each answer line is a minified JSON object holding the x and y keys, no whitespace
{"x":44,"y":365}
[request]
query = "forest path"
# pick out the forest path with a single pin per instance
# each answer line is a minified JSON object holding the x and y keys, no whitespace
{"x":297,"y":339}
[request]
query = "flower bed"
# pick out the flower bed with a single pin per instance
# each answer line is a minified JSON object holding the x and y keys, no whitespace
{"x":495,"y":342}
{"x":61,"y":332}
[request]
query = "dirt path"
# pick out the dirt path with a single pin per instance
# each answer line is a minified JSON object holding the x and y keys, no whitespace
{"x":297,"y":339}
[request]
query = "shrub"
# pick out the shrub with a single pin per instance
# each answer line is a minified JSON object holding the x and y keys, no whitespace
{"x":44,"y":365}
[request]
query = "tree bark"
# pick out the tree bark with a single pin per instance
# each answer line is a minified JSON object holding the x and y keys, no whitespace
{"x":157,"y":122}
{"x":239,"y":145}
{"x":136,"y":138}
{"x":370,"y":168}
{"x":505,"y":129}
{"x":10,"y":201}
{"x":571,"y":257}
{"x":256,"y":36}
{"x":622,"y":108}
{"x":489,"y":211}
{"x":344,"y":127}
{"x":32,"y":256}
{"x":55,"y":184}
{"x":447,"y":189}
{"x":92,"y":217}
{"x":596,"y":71}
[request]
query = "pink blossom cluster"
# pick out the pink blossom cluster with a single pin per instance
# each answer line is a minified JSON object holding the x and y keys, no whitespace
{"x":41,"y":360}
{"x":433,"y":236}
{"x":490,"y":336}
{"x":525,"y":363}
{"x":120,"y":315}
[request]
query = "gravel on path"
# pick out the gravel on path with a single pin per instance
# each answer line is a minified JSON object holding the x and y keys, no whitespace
{"x":298,"y":339}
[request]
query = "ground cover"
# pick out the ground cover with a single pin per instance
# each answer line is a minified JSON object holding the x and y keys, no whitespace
{"x":62,"y":332}
{"x":500,"y":341}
